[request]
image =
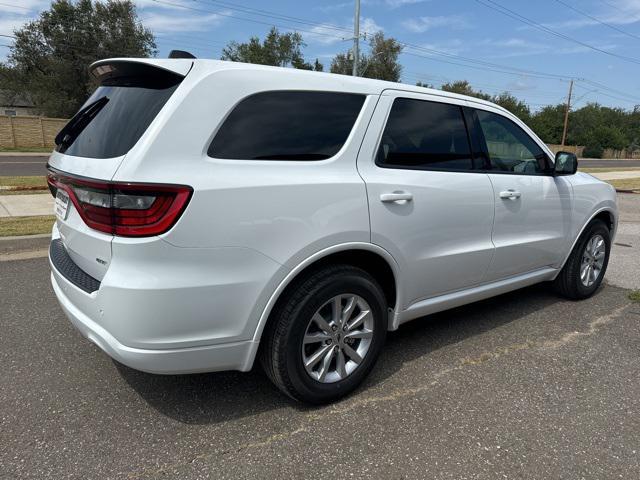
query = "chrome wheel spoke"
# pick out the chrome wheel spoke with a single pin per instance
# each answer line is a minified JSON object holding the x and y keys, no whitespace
{"x":359,"y":334}
{"x":352,"y":354}
{"x":316,"y":357}
{"x":348,"y":309}
{"x":316,"y":337}
{"x":326,"y":362}
{"x":321,"y":322}
{"x":583,"y":273}
{"x":340,"y":364}
{"x":359,"y":320}
{"x":336,"y":310}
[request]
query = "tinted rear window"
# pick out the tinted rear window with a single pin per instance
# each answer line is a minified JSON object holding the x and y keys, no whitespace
{"x":287,"y":125}
{"x":117,"y":114}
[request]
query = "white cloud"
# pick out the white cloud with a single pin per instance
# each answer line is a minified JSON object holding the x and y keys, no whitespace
{"x":452,"y":47}
{"x":165,"y":22}
{"x":401,"y":3}
{"x":423,"y":24}
{"x":620,"y":12}
{"x":328,"y":34}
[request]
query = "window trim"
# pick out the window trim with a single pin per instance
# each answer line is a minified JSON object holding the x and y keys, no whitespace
{"x":239,"y":101}
{"x":479,"y":133}
{"x":461,"y":108}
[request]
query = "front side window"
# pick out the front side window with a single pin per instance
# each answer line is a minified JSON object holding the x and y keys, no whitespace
{"x":510,"y":148}
{"x":287,"y":125}
{"x":425,"y":135}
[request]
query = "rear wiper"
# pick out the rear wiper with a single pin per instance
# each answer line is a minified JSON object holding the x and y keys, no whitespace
{"x":78,"y":123}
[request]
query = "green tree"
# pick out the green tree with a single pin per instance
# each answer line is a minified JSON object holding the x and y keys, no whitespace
{"x":463,"y":87}
{"x":515,"y":106}
{"x":548,"y":123}
{"x":342,"y":63}
{"x":277,"y":49}
{"x":49,"y":60}
{"x":380,"y":63}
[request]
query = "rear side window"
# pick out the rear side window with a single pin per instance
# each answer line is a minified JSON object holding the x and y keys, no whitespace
{"x":510,"y":148}
{"x":117,"y":114}
{"x":425,"y":135}
{"x":286,"y":125}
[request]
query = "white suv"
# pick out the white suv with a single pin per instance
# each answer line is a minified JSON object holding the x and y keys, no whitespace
{"x":210,"y":213}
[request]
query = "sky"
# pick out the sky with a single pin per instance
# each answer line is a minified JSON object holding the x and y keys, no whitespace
{"x":528,"y":48}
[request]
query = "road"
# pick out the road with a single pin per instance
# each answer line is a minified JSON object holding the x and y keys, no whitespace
{"x":36,"y":165}
{"x":23,"y":165}
{"x":526,"y":385}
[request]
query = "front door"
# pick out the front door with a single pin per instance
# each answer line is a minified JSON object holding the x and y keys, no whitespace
{"x":429,"y":206}
{"x":532,"y":208}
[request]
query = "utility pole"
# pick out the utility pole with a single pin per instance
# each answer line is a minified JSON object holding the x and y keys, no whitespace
{"x":356,"y":38}
{"x":566,"y":114}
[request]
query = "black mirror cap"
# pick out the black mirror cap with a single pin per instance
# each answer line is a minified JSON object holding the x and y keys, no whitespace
{"x":566,"y":163}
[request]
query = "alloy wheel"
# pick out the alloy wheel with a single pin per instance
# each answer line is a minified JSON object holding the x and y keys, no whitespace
{"x":592,"y":260}
{"x":337,"y":338}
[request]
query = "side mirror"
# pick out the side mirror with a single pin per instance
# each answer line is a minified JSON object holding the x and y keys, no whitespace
{"x":566,"y":163}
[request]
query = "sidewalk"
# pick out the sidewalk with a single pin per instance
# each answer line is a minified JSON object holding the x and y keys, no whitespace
{"x":26,"y":205}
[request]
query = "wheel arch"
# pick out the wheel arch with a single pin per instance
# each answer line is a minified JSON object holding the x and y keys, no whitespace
{"x":374,"y":259}
{"x":607,"y":215}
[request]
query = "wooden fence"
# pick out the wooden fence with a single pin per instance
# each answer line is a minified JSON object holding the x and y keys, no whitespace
{"x":29,"y":132}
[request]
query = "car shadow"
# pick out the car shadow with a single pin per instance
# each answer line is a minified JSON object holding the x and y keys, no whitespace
{"x":217,"y":397}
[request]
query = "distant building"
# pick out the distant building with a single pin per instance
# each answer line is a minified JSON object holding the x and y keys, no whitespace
{"x":15,"y":105}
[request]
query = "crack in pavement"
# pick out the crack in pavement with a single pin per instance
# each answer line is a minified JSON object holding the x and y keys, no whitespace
{"x":592,"y":328}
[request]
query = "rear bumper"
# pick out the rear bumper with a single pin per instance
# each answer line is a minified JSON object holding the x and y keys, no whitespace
{"x":226,"y":356}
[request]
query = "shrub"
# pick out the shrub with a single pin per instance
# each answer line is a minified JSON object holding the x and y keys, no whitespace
{"x":593,"y":150}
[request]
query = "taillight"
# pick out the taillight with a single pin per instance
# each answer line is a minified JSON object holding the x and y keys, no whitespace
{"x":124,"y":209}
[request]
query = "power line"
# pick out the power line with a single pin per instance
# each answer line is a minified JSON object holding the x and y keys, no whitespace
{"x":222,"y":14}
{"x":270,"y":14}
{"x":15,"y":6}
{"x":521,"y":18}
{"x":613,"y":27}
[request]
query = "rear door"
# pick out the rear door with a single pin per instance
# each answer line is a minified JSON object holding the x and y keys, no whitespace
{"x":95,"y":141}
{"x":533,"y":208}
{"x":429,"y":206}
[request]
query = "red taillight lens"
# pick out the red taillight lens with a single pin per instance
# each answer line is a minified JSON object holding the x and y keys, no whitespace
{"x":124,"y":209}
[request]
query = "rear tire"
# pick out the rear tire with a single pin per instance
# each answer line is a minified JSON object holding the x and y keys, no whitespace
{"x":320,"y":342}
{"x":585,"y":268}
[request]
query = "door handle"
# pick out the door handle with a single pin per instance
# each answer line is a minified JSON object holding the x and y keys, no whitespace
{"x":510,"y":194}
{"x":396,"y":197}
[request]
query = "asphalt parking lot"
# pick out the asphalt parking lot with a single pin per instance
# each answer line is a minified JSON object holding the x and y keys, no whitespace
{"x":525,"y":385}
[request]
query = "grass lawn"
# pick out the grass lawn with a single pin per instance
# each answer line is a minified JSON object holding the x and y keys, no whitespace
{"x":606,"y":169}
{"x":27,"y":149}
{"x":626,"y":184}
{"x":13,"y":226}
{"x":23,"y":182}
{"x":634,"y":296}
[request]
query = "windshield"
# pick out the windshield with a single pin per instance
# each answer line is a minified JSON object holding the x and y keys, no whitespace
{"x":114,"y":118}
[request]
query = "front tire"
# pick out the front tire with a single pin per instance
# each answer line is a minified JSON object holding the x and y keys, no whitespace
{"x":326,"y":334}
{"x":584,"y":271}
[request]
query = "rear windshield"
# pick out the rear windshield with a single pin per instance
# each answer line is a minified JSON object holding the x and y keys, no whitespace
{"x":117,"y":114}
{"x":287,"y":125}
